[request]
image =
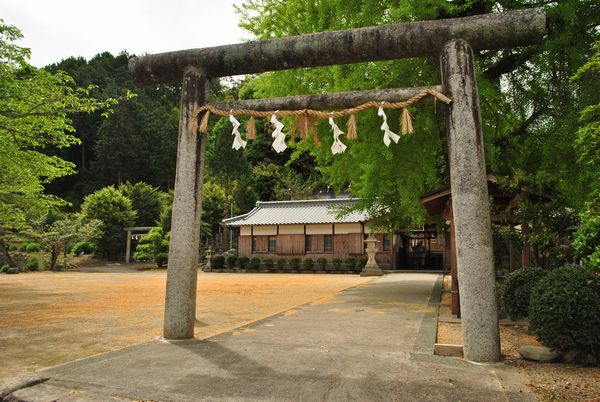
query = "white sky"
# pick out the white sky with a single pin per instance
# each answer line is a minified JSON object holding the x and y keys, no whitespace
{"x":57,"y":29}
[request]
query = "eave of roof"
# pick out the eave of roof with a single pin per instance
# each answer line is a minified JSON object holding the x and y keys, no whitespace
{"x":297,"y":212}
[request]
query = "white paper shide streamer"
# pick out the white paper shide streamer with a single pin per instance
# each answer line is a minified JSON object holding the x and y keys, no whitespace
{"x":388,"y":135}
{"x":278,"y":136}
{"x":338,"y":146}
{"x":238,"y":142}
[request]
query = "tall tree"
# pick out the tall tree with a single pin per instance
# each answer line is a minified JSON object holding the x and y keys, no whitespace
{"x":35,"y":106}
{"x":529,"y":106}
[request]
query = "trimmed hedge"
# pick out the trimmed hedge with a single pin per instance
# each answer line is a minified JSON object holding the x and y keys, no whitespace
{"x":564,"y":311}
{"x":295,"y":263}
{"x":281,"y":263}
{"x":217,"y":261}
{"x":515,"y":291}
{"x":337,"y":263}
{"x":307,"y":263}
{"x":268,"y":263}
{"x":350,"y":263}
{"x":322,"y":262}
{"x":254,"y":263}
{"x":242,"y":262}
{"x":231,"y":260}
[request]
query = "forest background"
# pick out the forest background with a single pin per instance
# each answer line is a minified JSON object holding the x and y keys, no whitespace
{"x":540,"y":112}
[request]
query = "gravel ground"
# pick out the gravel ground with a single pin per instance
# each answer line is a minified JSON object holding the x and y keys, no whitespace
{"x":550,"y":381}
{"x":51,"y":318}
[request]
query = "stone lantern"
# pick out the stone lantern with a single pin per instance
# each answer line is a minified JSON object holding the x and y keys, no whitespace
{"x":371,"y":268}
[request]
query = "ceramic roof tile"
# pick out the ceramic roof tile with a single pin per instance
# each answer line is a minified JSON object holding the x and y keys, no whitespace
{"x":297,"y":212}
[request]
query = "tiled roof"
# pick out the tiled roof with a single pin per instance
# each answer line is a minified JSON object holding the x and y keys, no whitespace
{"x":297,"y":212}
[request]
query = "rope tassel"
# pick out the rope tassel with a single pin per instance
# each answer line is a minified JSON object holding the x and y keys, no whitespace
{"x":251,"y":129}
{"x":352,"y":135}
{"x":204,"y":123}
{"x":406,"y":122}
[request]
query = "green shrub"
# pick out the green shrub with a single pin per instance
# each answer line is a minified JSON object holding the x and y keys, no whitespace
{"x":564,"y":310}
{"x":350,"y":262}
{"x":337,"y":263}
{"x":115,"y":211}
{"x":268,"y":263}
{"x":31,"y":247}
{"x":254,"y":263}
{"x":362,"y":262}
{"x":231,"y":261}
{"x":146,"y":201}
{"x":217,"y":261}
{"x":153,"y":247}
{"x":31,"y":264}
{"x":242,"y":262}
{"x":295,"y":263}
{"x":4,"y":268}
{"x":322,"y":263}
{"x":281,"y":263}
{"x":85,"y":247}
{"x":515,"y":291}
{"x":307,"y":263}
{"x":587,"y":241}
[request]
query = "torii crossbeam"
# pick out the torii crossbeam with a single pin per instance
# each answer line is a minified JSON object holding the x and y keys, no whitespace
{"x":453,"y":40}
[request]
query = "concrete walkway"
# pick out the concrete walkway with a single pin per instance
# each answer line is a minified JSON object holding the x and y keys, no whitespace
{"x":370,"y":343}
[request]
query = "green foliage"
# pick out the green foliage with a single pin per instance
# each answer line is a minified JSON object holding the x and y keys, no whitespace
{"x":307,"y":263}
{"x":242,"y":262}
{"x":268,"y":263}
{"x":529,"y":106}
{"x":213,"y":204}
{"x":362,"y":262}
{"x":322,"y":262}
{"x":31,"y":264}
{"x":35,"y":106}
{"x":350,"y":262}
{"x":146,"y":201}
{"x":153,"y":247}
{"x":83,"y":247}
{"x":564,"y":310}
{"x":295,"y":263}
{"x":115,"y":212}
{"x":217,"y":261}
{"x":231,"y":261}
{"x":56,"y":232}
{"x":515,"y":291}
{"x":254,"y":263}
{"x":337,"y":263}
{"x":4,"y":268}
{"x":587,"y":240}
{"x":281,"y":263}
{"x":30,"y":247}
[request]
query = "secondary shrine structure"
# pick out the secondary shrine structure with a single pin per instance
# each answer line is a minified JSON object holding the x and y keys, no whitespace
{"x":307,"y":229}
{"x":453,"y":41}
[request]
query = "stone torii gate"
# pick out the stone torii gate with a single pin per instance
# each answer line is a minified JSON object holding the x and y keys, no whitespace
{"x":453,"y":40}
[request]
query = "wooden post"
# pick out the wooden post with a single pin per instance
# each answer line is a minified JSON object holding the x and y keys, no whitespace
{"x":470,"y":205}
{"x":180,"y":302}
{"x":128,"y":252}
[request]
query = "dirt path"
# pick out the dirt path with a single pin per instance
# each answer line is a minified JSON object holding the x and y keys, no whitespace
{"x":50,"y":318}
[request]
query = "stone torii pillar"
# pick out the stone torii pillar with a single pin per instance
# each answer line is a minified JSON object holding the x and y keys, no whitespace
{"x":180,"y":301}
{"x":470,"y":205}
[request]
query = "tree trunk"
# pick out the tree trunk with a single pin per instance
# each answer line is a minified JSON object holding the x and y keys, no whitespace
{"x":4,"y":252}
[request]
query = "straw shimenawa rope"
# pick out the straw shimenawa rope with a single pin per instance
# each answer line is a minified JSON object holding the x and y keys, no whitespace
{"x":405,"y":117}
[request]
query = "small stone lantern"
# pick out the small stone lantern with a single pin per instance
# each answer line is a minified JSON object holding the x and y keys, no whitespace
{"x":207,"y":267}
{"x":371,"y":268}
